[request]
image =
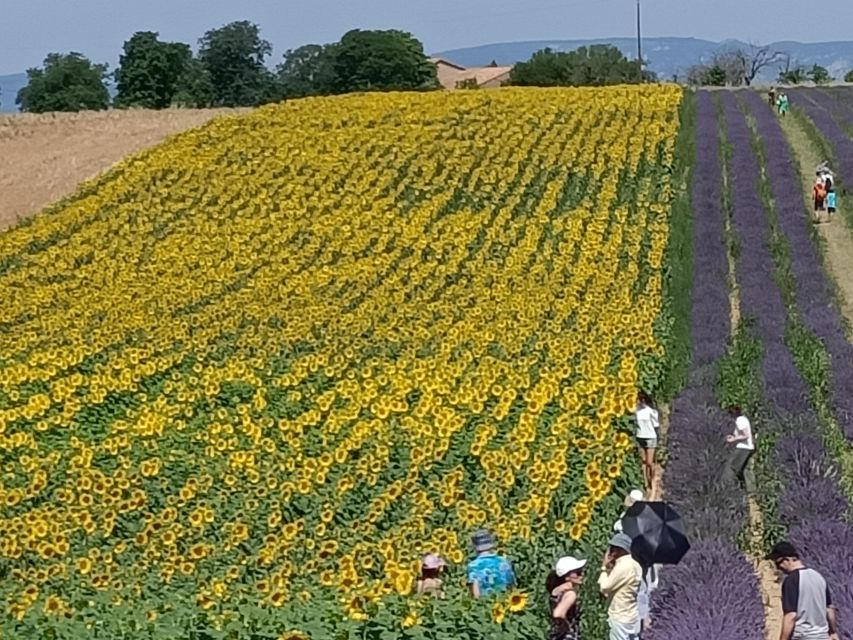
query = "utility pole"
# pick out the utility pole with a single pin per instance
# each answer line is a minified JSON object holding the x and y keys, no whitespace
{"x":639,"y":42}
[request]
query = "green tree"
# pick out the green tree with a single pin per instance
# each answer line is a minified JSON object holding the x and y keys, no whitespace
{"x":795,"y":75}
{"x":714,"y":76}
{"x":819,"y":75}
{"x":149,"y":71}
{"x":849,"y":76}
{"x":233,"y":57}
{"x":382,"y":60}
{"x":67,"y":82}
{"x":194,"y":88}
{"x":595,"y":65}
{"x":546,"y":68}
{"x":307,"y":71}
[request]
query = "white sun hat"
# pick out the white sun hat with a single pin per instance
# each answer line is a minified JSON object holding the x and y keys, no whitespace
{"x":568,"y":564}
{"x":635,"y":496}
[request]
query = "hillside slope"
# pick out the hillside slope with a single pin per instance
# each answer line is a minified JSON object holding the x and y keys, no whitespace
{"x":43,"y":158}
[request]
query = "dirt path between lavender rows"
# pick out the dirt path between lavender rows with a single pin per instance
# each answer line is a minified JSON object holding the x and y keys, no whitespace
{"x":837,"y":235}
{"x":657,"y":486}
{"x":43,"y":158}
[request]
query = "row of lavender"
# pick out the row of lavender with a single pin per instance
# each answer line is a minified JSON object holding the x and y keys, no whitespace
{"x":813,"y":290}
{"x":829,"y":116}
{"x":812,"y":505}
{"x":714,"y":592}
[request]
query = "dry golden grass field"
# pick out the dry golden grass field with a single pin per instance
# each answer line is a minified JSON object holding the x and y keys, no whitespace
{"x":43,"y":158}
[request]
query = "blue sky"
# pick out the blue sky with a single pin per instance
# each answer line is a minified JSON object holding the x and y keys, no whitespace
{"x":31,"y":28}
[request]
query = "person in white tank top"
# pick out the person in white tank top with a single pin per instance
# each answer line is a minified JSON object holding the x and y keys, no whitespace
{"x":646,"y":435}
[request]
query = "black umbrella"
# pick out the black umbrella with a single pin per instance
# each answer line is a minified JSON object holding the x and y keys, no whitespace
{"x":657,"y":533}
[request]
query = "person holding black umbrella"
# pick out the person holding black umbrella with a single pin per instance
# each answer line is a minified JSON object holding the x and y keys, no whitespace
{"x":619,"y":581}
{"x":657,"y":537}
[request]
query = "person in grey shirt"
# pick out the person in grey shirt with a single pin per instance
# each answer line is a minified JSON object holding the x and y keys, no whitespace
{"x":808,"y":612}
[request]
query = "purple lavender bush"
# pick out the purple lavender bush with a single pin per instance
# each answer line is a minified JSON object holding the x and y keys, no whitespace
{"x":812,"y":287}
{"x":710,"y":324}
{"x":696,"y":598}
{"x":816,"y":109}
{"x":815,"y":499}
{"x":760,"y":296}
{"x":711,"y":594}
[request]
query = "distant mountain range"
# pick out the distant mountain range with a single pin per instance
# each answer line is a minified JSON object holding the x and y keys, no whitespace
{"x":667,"y":57}
{"x":9,"y":87}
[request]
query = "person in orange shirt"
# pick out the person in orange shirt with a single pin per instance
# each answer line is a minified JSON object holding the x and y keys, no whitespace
{"x":819,"y":192}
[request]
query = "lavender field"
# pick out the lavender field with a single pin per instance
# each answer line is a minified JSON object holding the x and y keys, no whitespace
{"x":766,"y":333}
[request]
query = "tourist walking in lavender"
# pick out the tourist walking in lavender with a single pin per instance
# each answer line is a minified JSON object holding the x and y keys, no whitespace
{"x":744,"y":447}
{"x":563,"y":585}
{"x":782,"y":104}
{"x":831,"y":203}
{"x":807,"y":609}
{"x":819,"y":195}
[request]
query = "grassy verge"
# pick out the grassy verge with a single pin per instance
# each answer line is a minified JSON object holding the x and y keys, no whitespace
{"x":679,"y":256}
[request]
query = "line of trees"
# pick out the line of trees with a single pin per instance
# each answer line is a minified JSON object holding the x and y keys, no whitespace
{"x":740,"y":67}
{"x":229,"y":70}
{"x":596,"y":65}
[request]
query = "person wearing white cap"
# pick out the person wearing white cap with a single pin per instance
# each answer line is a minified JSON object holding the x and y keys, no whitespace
{"x":619,"y":581}
{"x":562,"y":585}
{"x":635,"y":496}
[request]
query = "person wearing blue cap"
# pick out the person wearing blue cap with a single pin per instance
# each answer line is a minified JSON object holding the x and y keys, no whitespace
{"x":619,"y":581}
{"x":488,"y":573}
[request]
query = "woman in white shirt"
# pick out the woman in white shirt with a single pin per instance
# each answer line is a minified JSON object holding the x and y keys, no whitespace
{"x":646,"y":435}
{"x":744,"y":443}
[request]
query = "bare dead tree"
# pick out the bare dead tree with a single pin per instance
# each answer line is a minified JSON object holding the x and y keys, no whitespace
{"x":785,"y":61}
{"x":756,"y":58}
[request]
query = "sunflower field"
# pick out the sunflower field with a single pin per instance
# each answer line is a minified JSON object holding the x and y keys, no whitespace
{"x":248,"y":376}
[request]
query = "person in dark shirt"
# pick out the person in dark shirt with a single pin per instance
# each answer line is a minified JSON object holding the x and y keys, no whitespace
{"x":808,"y":612}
